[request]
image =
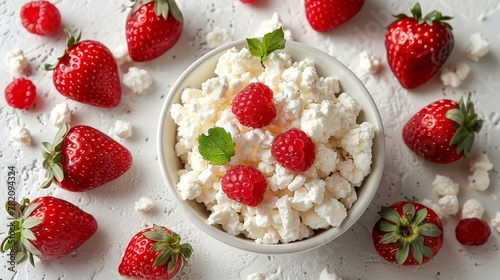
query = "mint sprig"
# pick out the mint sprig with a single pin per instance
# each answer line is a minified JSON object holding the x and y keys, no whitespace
{"x":271,"y":42}
{"x":217,"y":147}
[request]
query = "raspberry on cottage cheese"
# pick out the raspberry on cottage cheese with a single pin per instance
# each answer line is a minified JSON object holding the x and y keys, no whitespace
{"x":16,"y":61}
{"x":480,"y":165}
{"x":138,"y":80}
{"x":295,"y":204}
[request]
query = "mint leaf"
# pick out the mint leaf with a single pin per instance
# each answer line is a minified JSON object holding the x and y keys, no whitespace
{"x":216,"y":147}
{"x":271,"y":42}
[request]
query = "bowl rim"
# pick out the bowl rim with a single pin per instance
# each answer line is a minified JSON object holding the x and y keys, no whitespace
{"x":250,"y":245}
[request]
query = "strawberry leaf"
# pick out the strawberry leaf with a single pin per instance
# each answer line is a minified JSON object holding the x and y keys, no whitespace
{"x":420,"y":216}
{"x":402,"y":253}
{"x":416,"y":252}
{"x":13,"y":208}
{"x":390,"y":214}
{"x":271,"y":42}
{"x":430,"y":229}
{"x":216,"y":147}
{"x":387,"y":227}
{"x":175,"y":11}
{"x":390,"y":237}
{"x":31,"y":222}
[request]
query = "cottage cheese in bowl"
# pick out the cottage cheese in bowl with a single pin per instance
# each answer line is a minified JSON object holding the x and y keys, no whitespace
{"x":312,"y":92}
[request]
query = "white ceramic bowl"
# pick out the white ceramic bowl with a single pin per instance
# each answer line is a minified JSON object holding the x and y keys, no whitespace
{"x":201,"y":70}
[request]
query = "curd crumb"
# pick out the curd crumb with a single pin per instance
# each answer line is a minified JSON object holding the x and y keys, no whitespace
{"x":16,"y":61}
{"x":472,"y":208}
{"x":21,"y":135}
{"x":495,"y":222}
{"x":480,"y":165}
{"x":218,"y":37}
{"x":272,"y":24}
{"x":454,"y":75}
{"x":60,"y":115}
{"x":138,"y":80}
{"x":257,"y":276}
{"x":369,"y":62}
{"x":122,"y":129}
{"x":144,"y":204}
{"x":326,"y":275}
{"x":121,"y":55}
{"x":477,"y":47}
{"x":445,"y":186}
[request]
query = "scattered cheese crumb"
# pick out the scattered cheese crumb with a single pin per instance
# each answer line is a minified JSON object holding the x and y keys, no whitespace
{"x":477,"y":47}
{"x":495,"y":222}
{"x":433,"y":206}
{"x":369,"y":62}
{"x":454,"y":75}
{"x":472,"y":208}
{"x":445,"y":186}
{"x":449,"y":205}
{"x":138,"y":80}
{"x":144,"y":204}
{"x":218,"y":37}
{"x":21,"y":135}
{"x":479,"y":180}
{"x":122,"y":129}
{"x":121,"y":55}
{"x":16,"y":61}
{"x":60,"y":115}
{"x":257,"y":276}
{"x":326,"y":275}
{"x":272,"y":24}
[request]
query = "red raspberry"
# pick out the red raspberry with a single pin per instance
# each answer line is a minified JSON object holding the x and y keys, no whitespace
{"x":472,"y":231}
{"x":20,"y":93}
{"x":294,"y":150}
{"x":40,"y":17}
{"x":244,"y":184}
{"x":253,"y":106}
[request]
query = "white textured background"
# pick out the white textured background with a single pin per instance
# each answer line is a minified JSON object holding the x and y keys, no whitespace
{"x":352,"y":255}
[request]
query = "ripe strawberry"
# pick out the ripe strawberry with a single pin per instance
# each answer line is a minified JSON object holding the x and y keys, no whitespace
{"x":443,"y":130}
{"x":407,"y":233}
{"x":294,"y":150}
{"x":248,"y":1}
{"x":153,"y":27}
{"x":154,"y":253}
{"x":324,"y":15}
{"x":417,"y":47}
{"x":87,"y":73}
{"x":244,"y":184}
{"x":20,"y":93}
{"x":472,"y":231}
{"x":49,"y":228}
{"x":253,"y":106}
{"x":83,"y":158}
{"x":40,"y":17}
